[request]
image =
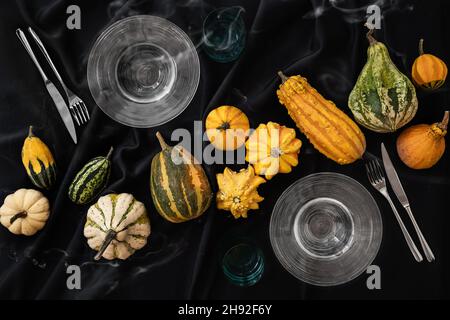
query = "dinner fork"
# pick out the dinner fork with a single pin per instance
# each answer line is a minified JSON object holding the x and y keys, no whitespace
{"x":377,"y":180}
{"x":76,"y":105}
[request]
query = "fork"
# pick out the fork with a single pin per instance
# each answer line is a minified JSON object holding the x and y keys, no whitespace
{"x":76,"y":105}
{"x":377,"y":180}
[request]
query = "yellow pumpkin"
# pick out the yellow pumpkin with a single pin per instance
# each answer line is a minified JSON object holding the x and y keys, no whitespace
{"x":227,"y":127}
{"x":272,"y":148}
{"x":238,"y":191}
{"x":428,"y":71}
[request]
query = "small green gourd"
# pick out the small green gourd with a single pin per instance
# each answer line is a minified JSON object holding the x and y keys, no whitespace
{"x":91,"y":179}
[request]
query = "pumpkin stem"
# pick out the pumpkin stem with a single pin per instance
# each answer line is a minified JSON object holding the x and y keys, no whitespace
{"x":421,"y":47}
{"x":370,"y":37}
{"x":163,"y":144}
{"x":282,"y":76}
{"x":108,"y":238}
{"x":30,"y":131}
{"x":224,"y":126}
{"x":19,"y":215}
{"x":109,"y":153}
{"x":443,"y":124}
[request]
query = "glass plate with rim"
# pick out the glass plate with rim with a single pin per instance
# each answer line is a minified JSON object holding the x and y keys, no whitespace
{"x":143,"y":71}
{"x":326,"y":229}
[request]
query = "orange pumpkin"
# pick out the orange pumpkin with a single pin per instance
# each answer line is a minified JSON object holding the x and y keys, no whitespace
{"x":227,"y":127}
{"x":428,"y":71}
{"x":422,"y":145}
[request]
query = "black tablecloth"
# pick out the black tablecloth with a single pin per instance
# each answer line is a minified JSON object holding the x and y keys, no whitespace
{"x":322,"y":40}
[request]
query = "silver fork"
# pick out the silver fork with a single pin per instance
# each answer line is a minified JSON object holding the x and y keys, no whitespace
{"x":377,"y":180}
{"x":76,"y":105}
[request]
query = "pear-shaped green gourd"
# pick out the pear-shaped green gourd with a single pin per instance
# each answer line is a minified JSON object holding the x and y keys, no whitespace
{"x":383,"y":99}
{"x":91,"y":179}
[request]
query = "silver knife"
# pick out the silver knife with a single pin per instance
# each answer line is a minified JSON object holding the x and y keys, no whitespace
{"x":401,"y":195}
{"x":52,"y":90}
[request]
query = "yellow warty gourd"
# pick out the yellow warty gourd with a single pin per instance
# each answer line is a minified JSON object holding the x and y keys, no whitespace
{"x":327,"y":127}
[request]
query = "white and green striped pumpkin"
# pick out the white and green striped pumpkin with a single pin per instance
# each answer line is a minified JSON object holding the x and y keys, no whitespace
{"x":116,"y":226}
{"x":179,"y":187}
{"x":91,"y":179}
{"x":383,"y":99}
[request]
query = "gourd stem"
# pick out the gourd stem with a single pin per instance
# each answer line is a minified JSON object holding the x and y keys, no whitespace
{"x":282,"y":76}
{"x":163,"y":144}
{"x":30,"y":131}
{"x":421,"y":47}
{"x":444,"y":123}
{"x":19,"y":215}
{"x":370,"y":37}
{"x":108,"y":238}
{"x":224,"y":126}
{"x":109,"y":153}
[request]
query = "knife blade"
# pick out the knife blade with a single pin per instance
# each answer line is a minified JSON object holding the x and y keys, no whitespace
{"x":61,"y":105}
{"x":62,"y":108}
{"x":393,"y":178}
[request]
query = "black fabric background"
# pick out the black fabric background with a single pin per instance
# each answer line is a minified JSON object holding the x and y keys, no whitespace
{"x":321,"y":40}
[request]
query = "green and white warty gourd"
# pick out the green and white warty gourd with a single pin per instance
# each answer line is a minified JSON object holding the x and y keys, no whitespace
{"x":383,"y":99}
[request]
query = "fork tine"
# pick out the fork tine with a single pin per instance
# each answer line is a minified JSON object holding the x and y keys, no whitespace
{"x":377,"y":171}
{"x":372,"y":171}
{"x":77,"y":111}
{"x":74,"y":115}
{"x":86,"y":111}
{"x":80,"y":110}
{"x":380,"y":170}
{"x":369,"y":176}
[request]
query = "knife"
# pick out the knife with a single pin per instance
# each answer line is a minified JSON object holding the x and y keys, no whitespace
{"x":52,"y":90}
{"x":396,"y":185}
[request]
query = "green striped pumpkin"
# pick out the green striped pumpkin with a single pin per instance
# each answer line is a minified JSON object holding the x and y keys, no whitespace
{"x":179,"y":187}
{"x":383,"y":99}
{"x":91,"y":180}
{"x":116,"y":226}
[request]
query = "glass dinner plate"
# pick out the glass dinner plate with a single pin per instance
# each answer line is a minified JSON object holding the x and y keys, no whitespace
{"x":143,"y":71}
{"x":326,"y":229}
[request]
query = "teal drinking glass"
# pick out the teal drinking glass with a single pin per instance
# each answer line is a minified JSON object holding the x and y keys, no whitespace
{"x":224,"y":34}
{"x":243,"y":264}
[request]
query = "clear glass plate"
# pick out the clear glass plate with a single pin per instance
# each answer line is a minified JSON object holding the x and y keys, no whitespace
{"x":326,"y":229}
{"x":143,"y":71}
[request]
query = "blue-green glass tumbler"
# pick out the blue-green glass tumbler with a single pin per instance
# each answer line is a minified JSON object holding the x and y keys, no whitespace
{"x":224,"y":34}
{"x":243,"y":264}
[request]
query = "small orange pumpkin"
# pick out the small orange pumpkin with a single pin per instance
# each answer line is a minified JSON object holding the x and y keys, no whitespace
{"x":422,"y":145}
{"x":227,"y":127}
{"x":428,"y":71}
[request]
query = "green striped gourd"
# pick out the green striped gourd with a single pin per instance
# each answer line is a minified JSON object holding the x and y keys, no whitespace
{"x":116,"y":226}
{"x":38,"y":161}
{"x":179,"y":187}
{"x":383,"y":99}
{"x":91,"y":179}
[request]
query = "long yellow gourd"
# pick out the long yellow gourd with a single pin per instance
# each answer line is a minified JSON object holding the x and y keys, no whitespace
{"x":327,"y":127}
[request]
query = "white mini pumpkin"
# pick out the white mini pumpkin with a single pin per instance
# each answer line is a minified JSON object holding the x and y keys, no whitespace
{"x":25,"y":212}
{"x":116,"y":226}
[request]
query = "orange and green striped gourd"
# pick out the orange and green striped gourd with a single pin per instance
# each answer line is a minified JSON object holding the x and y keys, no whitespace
{"x":179,"y":186}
